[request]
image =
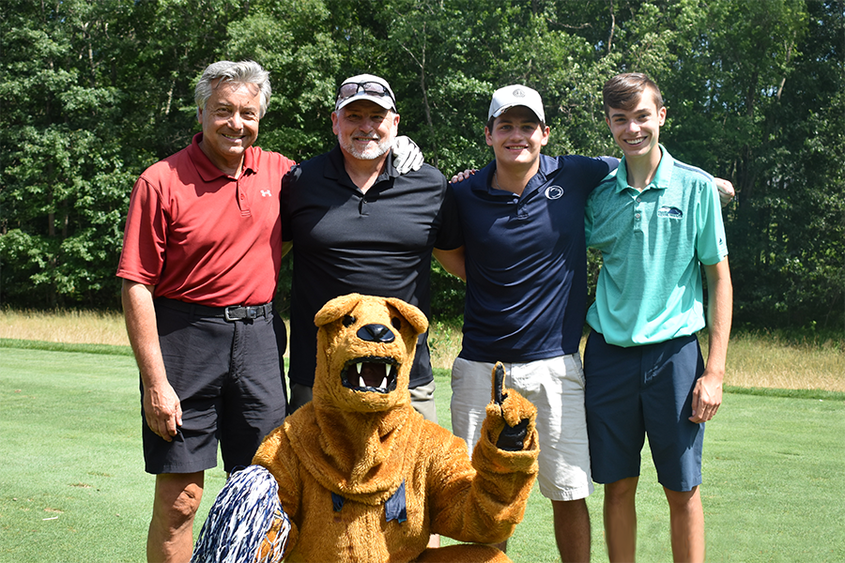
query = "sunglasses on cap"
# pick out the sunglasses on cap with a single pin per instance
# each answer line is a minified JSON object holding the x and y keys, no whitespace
{"x":349,"y":89}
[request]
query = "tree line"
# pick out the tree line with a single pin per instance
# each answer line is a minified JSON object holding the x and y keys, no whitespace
{"x":96,"y":91}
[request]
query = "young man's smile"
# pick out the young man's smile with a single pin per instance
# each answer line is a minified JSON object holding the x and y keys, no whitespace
{"x":517,"y":136}
{"x":637,"y":130}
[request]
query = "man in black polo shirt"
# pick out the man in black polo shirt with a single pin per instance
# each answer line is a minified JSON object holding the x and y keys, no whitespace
{"x":359,"y":226}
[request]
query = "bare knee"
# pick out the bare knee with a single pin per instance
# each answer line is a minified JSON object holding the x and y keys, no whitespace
{"x":621,"y":492}
{"x":570,"y":509}
{"x":177,"y":499}
{"x":683,"y":502}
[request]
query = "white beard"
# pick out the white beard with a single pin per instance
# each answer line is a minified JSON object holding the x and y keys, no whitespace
{"x":370,"y":153}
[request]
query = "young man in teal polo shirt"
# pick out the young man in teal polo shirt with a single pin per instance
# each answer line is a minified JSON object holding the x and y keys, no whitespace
{"x":657,"y":223}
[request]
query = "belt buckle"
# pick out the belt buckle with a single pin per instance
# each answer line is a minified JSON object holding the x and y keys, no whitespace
{"x":228,"y":311}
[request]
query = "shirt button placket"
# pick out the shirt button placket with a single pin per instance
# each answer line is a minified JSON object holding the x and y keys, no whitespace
{"x":638,"y":214}
{"x":243,"y":202}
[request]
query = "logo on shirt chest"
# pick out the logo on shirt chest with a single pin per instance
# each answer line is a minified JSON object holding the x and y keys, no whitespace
{"x":554,"y":192}
{"x":266,"y":193}
{"x":670,"y":212}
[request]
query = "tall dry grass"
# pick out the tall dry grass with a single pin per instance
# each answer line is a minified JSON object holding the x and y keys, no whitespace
{"x":754,"y":359}
{"x":72,"y":327}
{"x":767,"y":360}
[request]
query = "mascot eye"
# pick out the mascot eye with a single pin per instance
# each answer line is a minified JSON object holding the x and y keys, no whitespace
{"x":348,"y":320}
{"x":397,"y":324}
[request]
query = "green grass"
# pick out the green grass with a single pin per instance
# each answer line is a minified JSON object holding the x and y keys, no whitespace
{"x":72,"y":484}
{"x":44,"y":345}
{"x":773,"y":486}
{"x":73,"y":489}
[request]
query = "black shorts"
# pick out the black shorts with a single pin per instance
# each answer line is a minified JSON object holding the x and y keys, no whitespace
{"x":228,"y":377}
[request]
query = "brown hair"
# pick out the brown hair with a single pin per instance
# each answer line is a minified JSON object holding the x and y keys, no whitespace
{"x":623,"y":91}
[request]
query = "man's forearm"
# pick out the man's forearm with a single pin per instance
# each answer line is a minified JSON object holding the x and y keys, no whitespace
{"x":139,"y":313}
{"x":452,"y":261}
{"x":162,"y":408}
{"x":719,"y":314}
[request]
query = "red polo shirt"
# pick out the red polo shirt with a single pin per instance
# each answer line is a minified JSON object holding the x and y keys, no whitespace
{"x":201,"y":236}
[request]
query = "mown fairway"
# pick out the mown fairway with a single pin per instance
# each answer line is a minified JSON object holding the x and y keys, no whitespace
{"x":73,"y":489}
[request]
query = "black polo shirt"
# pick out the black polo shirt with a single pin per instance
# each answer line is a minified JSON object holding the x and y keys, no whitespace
{"x":374,"y":243}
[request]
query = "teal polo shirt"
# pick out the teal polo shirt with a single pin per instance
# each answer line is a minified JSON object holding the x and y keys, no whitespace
{"x":652,"y":244}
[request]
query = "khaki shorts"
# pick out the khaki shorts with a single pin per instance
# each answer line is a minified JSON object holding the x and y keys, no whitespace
{"x":556,"y":387}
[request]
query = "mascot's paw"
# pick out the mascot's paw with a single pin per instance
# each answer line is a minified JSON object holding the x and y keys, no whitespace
{"x":513,"y":415}
{"x":245,"y":510}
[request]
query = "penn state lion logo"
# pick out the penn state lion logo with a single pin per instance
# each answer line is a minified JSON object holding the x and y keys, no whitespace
{"x":554,"y":192}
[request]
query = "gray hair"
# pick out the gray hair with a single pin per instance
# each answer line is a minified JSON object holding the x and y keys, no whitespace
{"x":243,"y":72}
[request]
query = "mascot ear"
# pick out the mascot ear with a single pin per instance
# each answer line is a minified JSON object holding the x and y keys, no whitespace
{"x":411,"y":314}
{"x":336,"y":308}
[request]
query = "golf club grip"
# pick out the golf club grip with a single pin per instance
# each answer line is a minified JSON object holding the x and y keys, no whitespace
{"x":499,"y":383}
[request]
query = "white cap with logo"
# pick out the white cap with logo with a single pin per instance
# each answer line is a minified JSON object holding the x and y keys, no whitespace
{"x":365,"y":87}
{"x":516,"y":95}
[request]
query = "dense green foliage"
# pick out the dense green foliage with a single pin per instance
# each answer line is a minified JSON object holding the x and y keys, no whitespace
{"x":96,"y":91}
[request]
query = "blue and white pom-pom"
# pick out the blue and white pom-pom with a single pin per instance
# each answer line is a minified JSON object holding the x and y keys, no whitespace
{"x":240,"y":518}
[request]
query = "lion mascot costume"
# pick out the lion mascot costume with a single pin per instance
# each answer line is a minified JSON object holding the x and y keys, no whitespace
{"x":357,"y":475}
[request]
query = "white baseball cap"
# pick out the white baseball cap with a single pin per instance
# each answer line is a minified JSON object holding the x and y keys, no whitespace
{"x":365,"y":87}
{"x":516,"y":95}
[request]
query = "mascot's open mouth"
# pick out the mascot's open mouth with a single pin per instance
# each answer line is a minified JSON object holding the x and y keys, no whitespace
{"x":370,"y":374}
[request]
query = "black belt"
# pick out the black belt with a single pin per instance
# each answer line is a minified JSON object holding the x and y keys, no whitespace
{"x":231,"y":314}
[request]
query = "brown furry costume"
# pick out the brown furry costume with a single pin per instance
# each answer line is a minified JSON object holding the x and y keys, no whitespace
{"x":359,"y":441}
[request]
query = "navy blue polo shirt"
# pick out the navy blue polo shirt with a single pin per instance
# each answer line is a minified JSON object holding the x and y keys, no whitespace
{"x":526,"y":260}
{"x":374,"y":243}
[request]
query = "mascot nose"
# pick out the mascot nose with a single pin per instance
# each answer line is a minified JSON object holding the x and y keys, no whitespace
{"x":375,"y":333}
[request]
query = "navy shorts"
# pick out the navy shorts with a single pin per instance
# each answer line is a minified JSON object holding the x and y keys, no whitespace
{"x":228,"y":377}
{"x":638,"y":391}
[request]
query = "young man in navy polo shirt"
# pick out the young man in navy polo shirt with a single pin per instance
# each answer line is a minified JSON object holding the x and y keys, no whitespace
{"x":523,"y":223}
{"x":657,"y":223}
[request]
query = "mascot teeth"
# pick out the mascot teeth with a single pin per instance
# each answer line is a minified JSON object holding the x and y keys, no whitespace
{"x":370,"y":374}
